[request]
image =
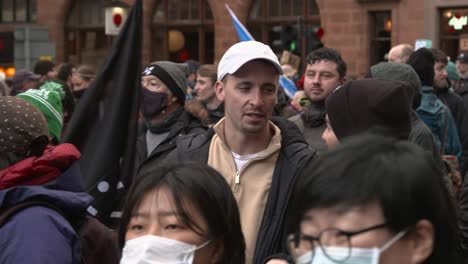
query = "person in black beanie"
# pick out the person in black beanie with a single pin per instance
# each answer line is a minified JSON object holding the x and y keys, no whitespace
{"x":363,"y":105}
{"x":431,"y":110}
{"x":46,"y":69}
{"x":162,"y":106}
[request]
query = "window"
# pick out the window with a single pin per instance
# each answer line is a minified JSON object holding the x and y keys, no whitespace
{"x":277,"y":22}
{"x":453,"y":25}
{"x":380,"y":35}
{"x":21,"y":11}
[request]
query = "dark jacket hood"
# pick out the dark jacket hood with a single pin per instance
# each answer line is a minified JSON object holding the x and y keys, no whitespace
{"x":64,"y":191}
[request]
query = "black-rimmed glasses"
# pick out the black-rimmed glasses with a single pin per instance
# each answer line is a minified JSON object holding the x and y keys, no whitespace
{"x":331,"y":237}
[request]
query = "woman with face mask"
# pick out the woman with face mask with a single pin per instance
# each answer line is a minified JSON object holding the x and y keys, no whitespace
{"x":163,"y":89}
{"x":373,"y":200}
{"x":181,"y":213}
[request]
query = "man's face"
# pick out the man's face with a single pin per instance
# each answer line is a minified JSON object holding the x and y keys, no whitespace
{"x":249,"y":96}
{"x":321,"y":78}
{"x":440,"y":75}
{"x":462,"y":69}
{"x":205,"y":91}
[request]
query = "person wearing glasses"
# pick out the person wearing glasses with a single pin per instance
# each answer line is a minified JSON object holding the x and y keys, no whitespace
{"x":372,"y":200}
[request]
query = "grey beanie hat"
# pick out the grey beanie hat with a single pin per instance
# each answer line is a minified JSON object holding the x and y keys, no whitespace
{"x":171,"y":74}
{"x":398,"y":72}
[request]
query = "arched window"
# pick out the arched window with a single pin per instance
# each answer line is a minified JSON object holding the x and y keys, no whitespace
{"x":274,"y":21}
{"x":86,"y":42}
{"x":183,"y":30}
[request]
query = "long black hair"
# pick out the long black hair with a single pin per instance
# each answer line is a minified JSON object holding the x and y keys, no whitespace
{"x":207,"y":191}
{"x":399,"y":176}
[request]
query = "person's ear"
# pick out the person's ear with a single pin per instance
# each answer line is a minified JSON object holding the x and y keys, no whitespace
{"x":219,"y":88}
{"x":422,"y":241}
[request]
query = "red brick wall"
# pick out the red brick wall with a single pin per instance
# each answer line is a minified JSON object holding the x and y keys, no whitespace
{"x":346,"y":26}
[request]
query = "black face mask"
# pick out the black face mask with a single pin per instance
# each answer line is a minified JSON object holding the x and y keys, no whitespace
{"x":153,"y":103}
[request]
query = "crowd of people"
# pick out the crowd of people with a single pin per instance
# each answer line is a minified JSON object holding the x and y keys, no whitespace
{"x":226,"y":170}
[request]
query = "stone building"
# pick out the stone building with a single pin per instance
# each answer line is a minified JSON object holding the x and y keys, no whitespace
{"x":362,"y":30}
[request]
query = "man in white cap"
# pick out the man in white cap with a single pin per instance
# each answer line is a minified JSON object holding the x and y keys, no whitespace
{"x":258,"y":155}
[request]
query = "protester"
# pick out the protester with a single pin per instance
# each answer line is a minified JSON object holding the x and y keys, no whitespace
{"x":453,"y":78}
{"x":204,"y":91}
{"x":65,"y":73}
{"x":48,"y":99}
{"x":431,"y":110}
{"x":258,"y":157}
{"x":462,"y":84}
{"x":24,"y":80}
{"x":453,"y":101}
{"x":81,"y":79}
{"x":363,"y":105}
{"x":400,"y":53}
{"x":46,"y":70}
{"x":181,"y":213}
{"x":192,"y":68}
{"x":31,"y":173}
{"x":162,"y":106}
{"x":420,"y":134}
{"x":391,"y":208}
{"x":325,"y":71}
{"x":462,"y":65}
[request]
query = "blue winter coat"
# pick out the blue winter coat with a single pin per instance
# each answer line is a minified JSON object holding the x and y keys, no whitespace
{"x":440,"y":120}
{"x":39,"y":234}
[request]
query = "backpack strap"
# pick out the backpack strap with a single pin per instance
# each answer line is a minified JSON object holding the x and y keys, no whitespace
{"x":8,"y":212}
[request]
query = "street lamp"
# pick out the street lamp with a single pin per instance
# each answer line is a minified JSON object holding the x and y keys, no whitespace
{"x":116,"y":13}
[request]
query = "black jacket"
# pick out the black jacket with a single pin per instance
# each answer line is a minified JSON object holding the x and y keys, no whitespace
{"x":294,"y":151}
{"x":186,"y":124}
{"x":455,"y":103}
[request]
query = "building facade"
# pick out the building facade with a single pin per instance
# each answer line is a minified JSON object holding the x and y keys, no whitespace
{"x":362,"y":30}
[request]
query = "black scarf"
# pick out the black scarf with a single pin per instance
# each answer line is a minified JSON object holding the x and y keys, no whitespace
{"x":165,"y":125}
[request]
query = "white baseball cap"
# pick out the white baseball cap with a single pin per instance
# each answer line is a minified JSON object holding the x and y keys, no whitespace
{"x":241,"y":53}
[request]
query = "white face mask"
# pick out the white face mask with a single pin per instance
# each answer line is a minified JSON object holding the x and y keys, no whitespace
{"x":358,"y":255}
{"x":151,"y":249}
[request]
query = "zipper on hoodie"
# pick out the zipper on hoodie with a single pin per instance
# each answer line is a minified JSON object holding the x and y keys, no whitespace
{"x":236,"y":181}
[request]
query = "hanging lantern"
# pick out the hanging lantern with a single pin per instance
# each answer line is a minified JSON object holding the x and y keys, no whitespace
{"x":176,"y":40}
{"x":388,"y":24}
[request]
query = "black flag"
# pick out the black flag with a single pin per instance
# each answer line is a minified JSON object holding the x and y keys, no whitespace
{"x":104,"y":125}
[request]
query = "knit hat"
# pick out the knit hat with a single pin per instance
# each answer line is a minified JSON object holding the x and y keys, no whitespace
{"x":422,"y":62}
{"x":20,"y":124}
{"x":452,"y":72}
{"x":398,"y":72}
{"x":48,"y":99}
{"x":171,"y":75}
{"x":358,"y":106}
